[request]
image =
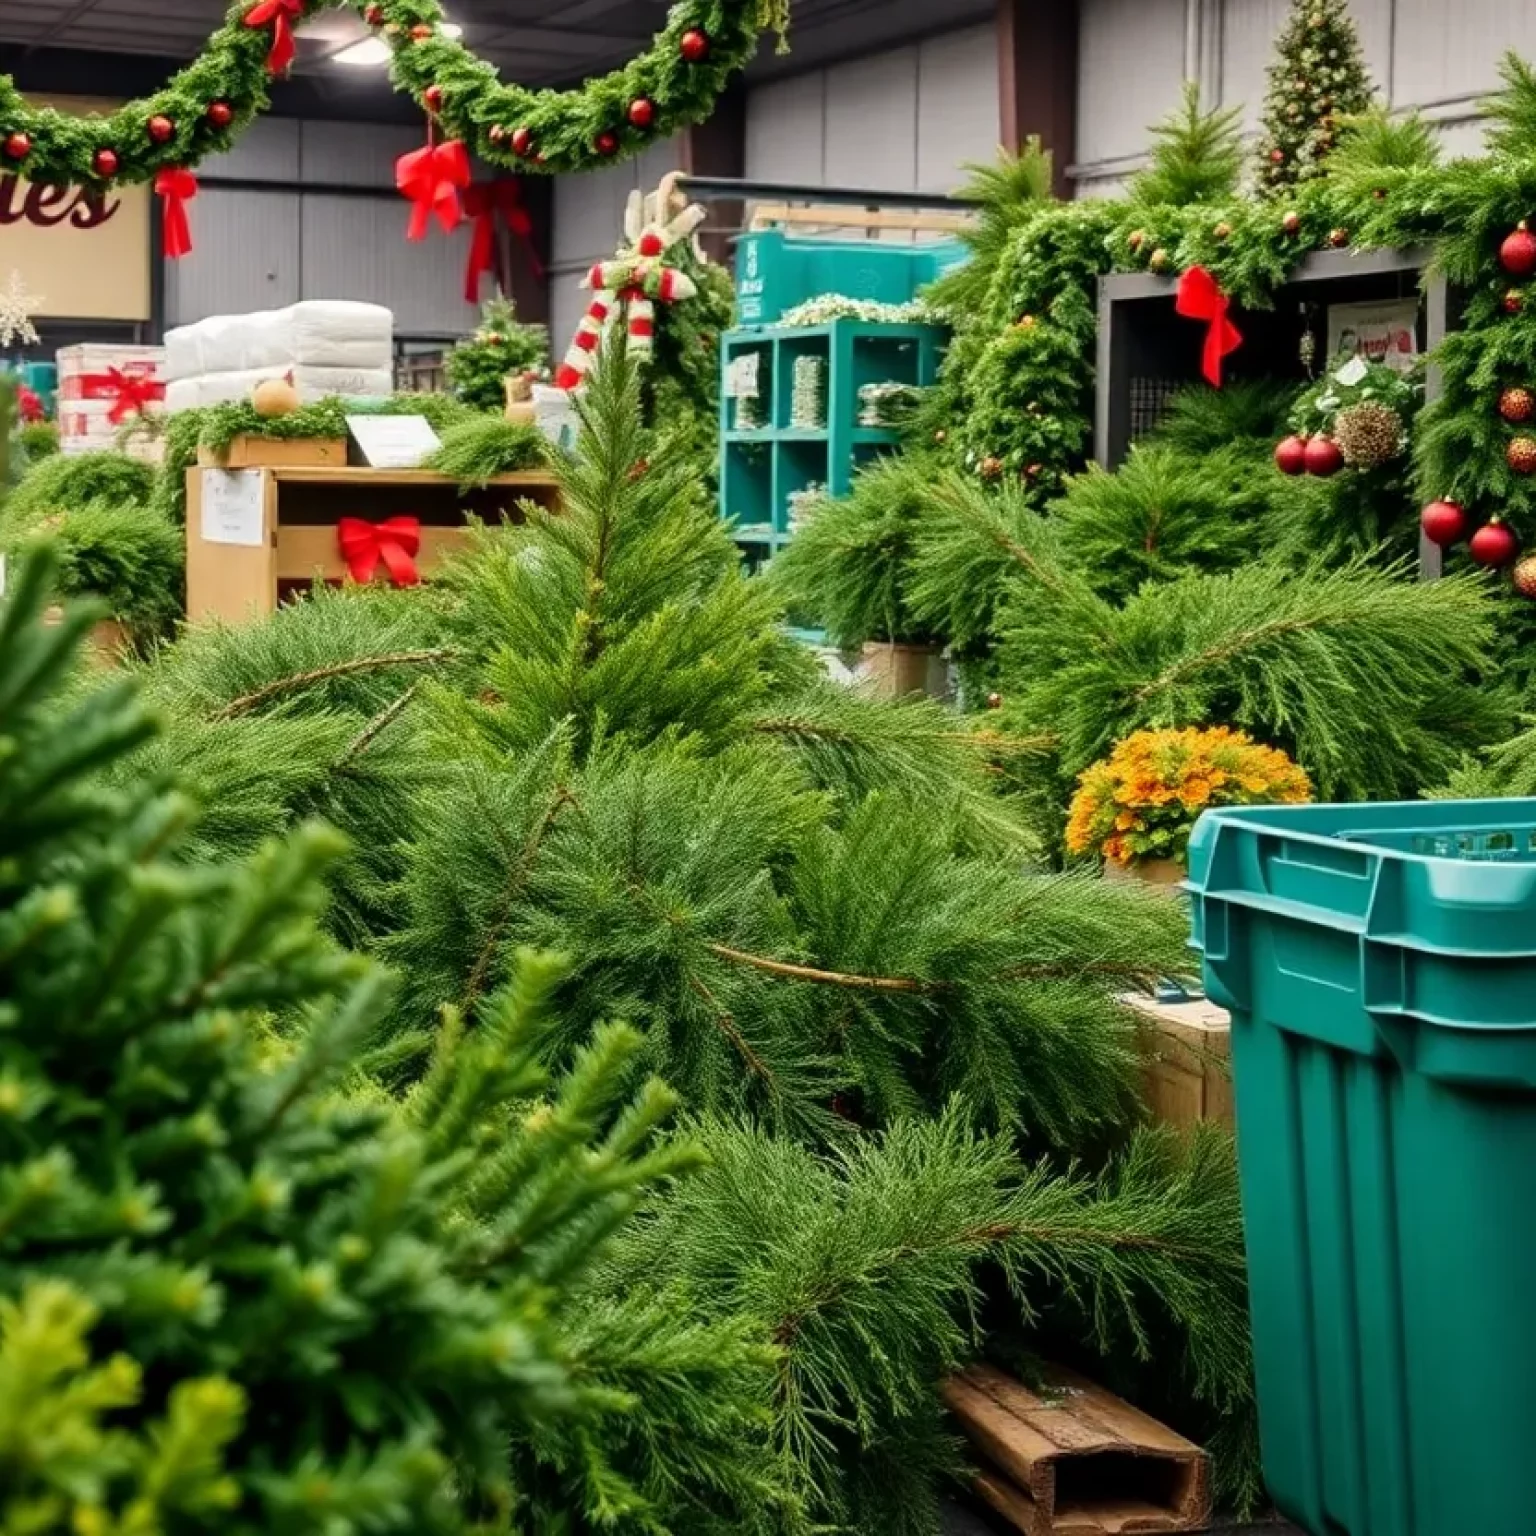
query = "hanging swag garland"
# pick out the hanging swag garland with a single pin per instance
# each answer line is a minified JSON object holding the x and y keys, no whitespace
{"x":204,"y":107}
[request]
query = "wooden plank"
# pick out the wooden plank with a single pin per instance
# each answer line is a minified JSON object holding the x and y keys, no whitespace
{"x":303,"y":474}
{"x":254,"y":452}
{"x":1075,"y":1460}
{"x":767,"y":214}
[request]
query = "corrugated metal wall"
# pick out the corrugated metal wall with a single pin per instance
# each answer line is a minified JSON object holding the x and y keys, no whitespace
{"x":260,"y":247}
{"x":1438,"y":55}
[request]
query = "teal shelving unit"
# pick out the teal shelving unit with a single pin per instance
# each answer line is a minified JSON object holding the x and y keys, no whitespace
{"x":762,"y":466}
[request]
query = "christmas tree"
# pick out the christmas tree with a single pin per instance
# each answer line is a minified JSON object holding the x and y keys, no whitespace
{"x":1197,"y":156}
{"x":1318,"y":79}
{"x":479,"y":367}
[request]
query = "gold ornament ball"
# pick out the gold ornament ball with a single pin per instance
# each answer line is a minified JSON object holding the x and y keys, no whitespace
{"x":1159,"y":262}
{"x":991,"y":468}
{"x":1223,"y":231}
{"x":1517,"y":405}
{"x":274,"y":397}
{"x":1338,"y":238}
{"x":1291,"y":223}
{"x":1136,"y":239}
{"x":1521,"y":455}
{"x":941,"y":436}
{"x":1525,"y":577}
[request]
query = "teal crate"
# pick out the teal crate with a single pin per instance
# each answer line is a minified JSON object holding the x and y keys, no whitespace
{"x":774,"y":272}
{"x":763,"y":465}
{"x":1379,"y":963}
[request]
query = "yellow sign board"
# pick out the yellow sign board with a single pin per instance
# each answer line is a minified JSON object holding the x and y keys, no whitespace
{"x":81,"y":256}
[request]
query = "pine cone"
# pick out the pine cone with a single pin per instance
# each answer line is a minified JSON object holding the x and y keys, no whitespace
{"x":1368,"y":434}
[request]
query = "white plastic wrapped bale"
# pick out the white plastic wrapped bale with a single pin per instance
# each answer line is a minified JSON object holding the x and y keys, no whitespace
{"x":319,"y":333}
{"x":312,"y":384}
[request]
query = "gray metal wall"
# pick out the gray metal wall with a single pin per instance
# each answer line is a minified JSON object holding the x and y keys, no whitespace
{"x":271,"y":242}
{"x":1439,"y":55}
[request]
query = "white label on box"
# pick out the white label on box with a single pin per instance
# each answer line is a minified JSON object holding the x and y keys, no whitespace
{"x":1386,"y":333}
{"x":743,"y":375}
{"x":234,"y":504}
{"x":1353,"y":371}
{"x":394,"y":442}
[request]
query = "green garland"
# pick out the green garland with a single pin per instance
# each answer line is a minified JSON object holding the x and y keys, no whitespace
{"x":204,"y":107}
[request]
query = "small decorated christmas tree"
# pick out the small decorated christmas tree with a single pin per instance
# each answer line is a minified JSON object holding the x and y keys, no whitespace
{"x":479,"y":366}
{"x":1318,"y":78}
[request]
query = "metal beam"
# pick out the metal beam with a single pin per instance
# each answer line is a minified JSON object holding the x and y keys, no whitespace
{"x":1037,"y":52}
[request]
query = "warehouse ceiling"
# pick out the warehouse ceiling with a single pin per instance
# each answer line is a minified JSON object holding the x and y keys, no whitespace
{"x":535,"y":42}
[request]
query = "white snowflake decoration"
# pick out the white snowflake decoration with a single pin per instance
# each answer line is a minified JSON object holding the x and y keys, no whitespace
{"x":17,"y":307}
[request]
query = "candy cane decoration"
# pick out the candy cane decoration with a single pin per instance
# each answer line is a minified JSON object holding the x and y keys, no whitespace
{"x":629,"y":288}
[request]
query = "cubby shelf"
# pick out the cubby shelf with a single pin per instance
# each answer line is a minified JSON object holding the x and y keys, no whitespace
{"x":762,"y":467}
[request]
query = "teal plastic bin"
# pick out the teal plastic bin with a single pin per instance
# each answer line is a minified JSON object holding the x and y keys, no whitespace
{"x":1380,"y":966}
{"x":774,"y":272}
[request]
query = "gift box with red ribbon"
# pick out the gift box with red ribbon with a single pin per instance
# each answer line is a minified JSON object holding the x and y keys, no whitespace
{"x":104,"y":389}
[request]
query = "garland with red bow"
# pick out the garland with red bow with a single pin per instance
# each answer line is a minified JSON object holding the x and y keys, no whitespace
{"x":668,"y":87}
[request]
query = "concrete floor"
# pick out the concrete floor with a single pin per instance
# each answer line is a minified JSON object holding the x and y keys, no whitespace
{"x":960,"y":1521}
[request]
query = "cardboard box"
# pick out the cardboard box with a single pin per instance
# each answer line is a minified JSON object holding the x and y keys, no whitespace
{"x":1187,"y":1047}
{"x":90,"y":390}
{"x":255,"y":452}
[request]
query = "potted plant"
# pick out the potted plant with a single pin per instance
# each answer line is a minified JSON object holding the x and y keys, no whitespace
{"x":1137,"y":807}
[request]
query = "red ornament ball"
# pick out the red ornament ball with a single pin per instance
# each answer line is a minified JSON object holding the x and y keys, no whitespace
{"x":695,"y":46}
{"x":432,"y":98}
{"x":1444,"y":523}
{"x":1517,"y":405}
{"x":374,"y":15}
{"x":105,"y":163}
{"x":1518,"y":253}
{"x":18,"y":146}
{"x":642,"y":112}
{"x":1514,"y":302}
{"x":1277,"y":156}
{"x":522,"y":141}
{"x":1291,"y":456}
{"x":421,"y":32}
{"x":1494,"y":545}
{"x":1525,"y":577}
{"x":161,"y":129}
{"x":220,"y":114}
{"x":1324,"y":457}
{"x":606,"y":144}
{"x":1521,"y":455}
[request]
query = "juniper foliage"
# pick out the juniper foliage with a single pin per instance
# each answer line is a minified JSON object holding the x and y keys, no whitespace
{"x":1197,"y":156}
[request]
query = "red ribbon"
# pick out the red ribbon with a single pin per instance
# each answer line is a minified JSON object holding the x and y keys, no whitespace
{"x":485,"y":202}
{"x":1200,"y":298}
{"x":432,"y":178}
{"x":176,"y":188}
{"x":128,"y":392}
{"x":394,"y":542}
{"x":280,"y":16}
{"x":30,"y":405}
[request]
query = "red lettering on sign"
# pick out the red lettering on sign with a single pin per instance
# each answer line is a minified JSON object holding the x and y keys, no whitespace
{"x":50,"y":206}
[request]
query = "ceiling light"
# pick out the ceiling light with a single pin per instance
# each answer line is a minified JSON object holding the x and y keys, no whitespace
{"x":368,"y":54}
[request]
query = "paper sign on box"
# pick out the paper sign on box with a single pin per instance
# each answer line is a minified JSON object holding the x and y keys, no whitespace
{"x":234,"y":506}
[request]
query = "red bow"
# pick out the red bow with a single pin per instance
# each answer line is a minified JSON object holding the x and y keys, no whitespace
{"x":432,"y":178}
{"x":128,"y":392}
{"x":395,"y":542}
{"x":280,"y":16}
{"x":1200,"y":298}
{"x":29,"y":403}
{"x":176,"y":188}
{"x":484,"y":202}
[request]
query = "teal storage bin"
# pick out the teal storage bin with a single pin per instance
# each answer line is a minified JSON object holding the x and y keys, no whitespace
{"x":774,"y":272}
{"x":1379,"y":962}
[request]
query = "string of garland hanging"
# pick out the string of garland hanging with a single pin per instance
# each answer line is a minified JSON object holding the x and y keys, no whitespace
{"x":202,"y":109}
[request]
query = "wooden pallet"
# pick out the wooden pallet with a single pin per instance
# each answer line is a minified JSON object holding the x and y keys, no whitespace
{"x":1075,"y":1460}
{"x":1187,"y":1050}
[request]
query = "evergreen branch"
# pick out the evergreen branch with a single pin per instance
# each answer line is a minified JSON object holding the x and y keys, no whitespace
{"x":377,"y":726}
{"x":348,"y":668}
{"x":905,"y":984}
{"x":726,"y":1023}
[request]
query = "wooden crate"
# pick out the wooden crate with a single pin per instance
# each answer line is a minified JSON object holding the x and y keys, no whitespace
{"x":294,"y":543}
{"x":255,"y":452}
{"x":1188,"y":1049}
{"x":1075,"y":1460}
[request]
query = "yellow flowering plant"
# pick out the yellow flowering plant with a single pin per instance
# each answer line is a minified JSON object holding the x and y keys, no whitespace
{"x":1143,"y":800}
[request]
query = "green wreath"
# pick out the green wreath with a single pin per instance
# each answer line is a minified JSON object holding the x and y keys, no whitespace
{"x":204,"y":107}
